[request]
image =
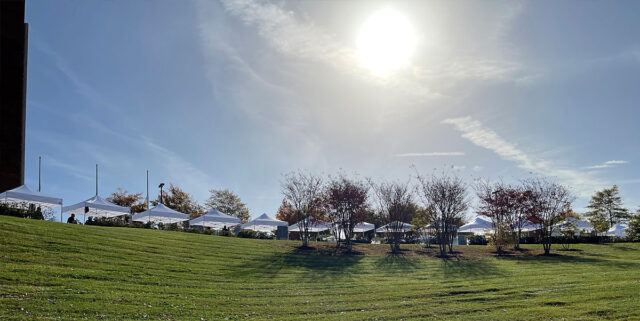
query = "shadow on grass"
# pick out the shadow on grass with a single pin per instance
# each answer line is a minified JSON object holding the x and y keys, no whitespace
{"x":461,"y":267}
{"x":555,"y":258}
{"x":396,"y":262}
{"x":315,"y":263}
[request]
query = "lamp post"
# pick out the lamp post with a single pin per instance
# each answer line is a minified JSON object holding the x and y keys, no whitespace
{"x":161,"y":186}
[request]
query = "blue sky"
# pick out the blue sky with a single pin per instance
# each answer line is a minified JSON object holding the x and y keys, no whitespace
{"x":233,"y":94}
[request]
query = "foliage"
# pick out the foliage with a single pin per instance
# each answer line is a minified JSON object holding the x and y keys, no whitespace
{"x":568,"y":229}
{"x":133,"y":201}
{"x":548,"y":203}
{"x":477,"y":240}
{"x":345,"y":200}
{"x":508,"y":208}
{"x":303,"y":191}
{"x":633,"y":230}
{"x":106,"y":221}
{"x":286,"y":213}
{"x":178,"y":200}
{"x":421,"y":222}
{"x":394,"y":206}
{"x":446,"y":198}
{"x":24,"y":211}
{"x":608,"y":202}
{"x":599,"y":221}
{"x":229,"y":203}
{"x":250,"y":234}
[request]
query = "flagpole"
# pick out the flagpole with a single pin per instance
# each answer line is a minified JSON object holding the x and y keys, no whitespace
{"x":39,"y":172}
{"x":148,"y":209}
{"x":96,"y":179}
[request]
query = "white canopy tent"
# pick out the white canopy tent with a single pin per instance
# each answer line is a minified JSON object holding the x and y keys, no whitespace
{"x":160,"y":214}
{"x":581,"y":225}
{"x":359,"y":228}
{"x":530,"y":226}
{"x":478,"y":225}
{"x":395,"y":226}
{"x":264,"y":223}
{"x":618,"y":230}
{"x":215,"y":220}
{"x":363,"y":227}
{"x":98,"y":207}
{"x":312,"y":227}
{"x":24,"y":195}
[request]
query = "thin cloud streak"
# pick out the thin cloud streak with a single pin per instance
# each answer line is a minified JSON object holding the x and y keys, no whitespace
{"x":608,"y":164}
{"x":584,"y":183}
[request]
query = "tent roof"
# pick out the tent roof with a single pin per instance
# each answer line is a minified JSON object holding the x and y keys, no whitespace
{"x":580,"y":224}
{"x":24,"y":194}
{"x":403,"y":227}
{"x":618,"y":230}
{"x":477,"y":225}
{"x":215,"y":219}
{"x":264,"y":222}
{"x":98,"y":207}
{"x":317,"y":226}
{"x":160,"y":214}
{"x":363,"y":227}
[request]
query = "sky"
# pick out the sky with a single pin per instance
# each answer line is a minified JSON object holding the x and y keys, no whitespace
{"x":234,"y":94}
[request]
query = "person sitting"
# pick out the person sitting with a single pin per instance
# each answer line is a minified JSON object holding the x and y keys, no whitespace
{"x":72,"y":219}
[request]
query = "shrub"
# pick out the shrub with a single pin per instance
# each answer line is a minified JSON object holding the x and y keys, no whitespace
{"x":255,"y":234}
{"x":106,"y":221}
{"x":477,"y":240}
{"x":24,"y":211}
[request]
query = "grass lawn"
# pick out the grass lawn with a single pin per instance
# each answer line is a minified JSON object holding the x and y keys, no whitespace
{"x":57,"y":271}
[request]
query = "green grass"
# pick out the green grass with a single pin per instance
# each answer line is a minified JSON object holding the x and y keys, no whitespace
{"x":58,"y":271}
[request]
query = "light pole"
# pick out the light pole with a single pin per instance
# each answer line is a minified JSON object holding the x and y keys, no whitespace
{"x":161,"y":186}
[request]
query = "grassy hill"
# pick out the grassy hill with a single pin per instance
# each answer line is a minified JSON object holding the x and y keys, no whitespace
{"x":51,"y":271}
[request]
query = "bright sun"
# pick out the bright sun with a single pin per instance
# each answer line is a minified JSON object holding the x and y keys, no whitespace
{"x":386,"y":42}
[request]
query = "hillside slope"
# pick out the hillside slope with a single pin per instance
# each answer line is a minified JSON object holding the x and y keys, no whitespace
{"x":50,"y":270}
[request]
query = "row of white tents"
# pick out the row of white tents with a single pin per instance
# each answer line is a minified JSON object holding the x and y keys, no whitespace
{"x":483,"y":226}
{"x":97,"y":206}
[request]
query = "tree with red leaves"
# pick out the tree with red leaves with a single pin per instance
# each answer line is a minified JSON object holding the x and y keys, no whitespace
{"x":346,"y":204}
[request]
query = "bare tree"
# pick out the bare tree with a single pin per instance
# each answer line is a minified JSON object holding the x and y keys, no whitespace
{"x":395,"y":207}
{"x":549,"y":203}
{"x":445,"y":197}
{"x":346,"y":203}
{"x":303,"y":191}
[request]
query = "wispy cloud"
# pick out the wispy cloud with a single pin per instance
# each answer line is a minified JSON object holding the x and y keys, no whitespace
{"x":584,"y":183}
{"x":607,"y":164}
{"x":297,"y":35}
{"x":431,"y":154}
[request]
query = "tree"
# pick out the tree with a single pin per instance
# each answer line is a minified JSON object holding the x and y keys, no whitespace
{"x":177,"y":199}
{"x":499,"y":203}
{"x":548,"y":204}
{"x":446,"y":198}
{"x":346,"y":204}
{"x":421,"y":222}
{"x":394,"y":207}
{"x":134,"y":201}
{"x":633,"y":231}
{"x":609,"y":203}
{"x":229,"y":203}
{"x":507,"y":207}
{"x":599,"y":221}
{"x":303,"y":191}
{"x":286,"y":213}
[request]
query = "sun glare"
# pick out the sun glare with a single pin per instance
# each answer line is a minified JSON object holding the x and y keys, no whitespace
{"x":386,"y":42}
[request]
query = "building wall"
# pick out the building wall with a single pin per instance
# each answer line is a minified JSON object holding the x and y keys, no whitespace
{"x":13,"y":80}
